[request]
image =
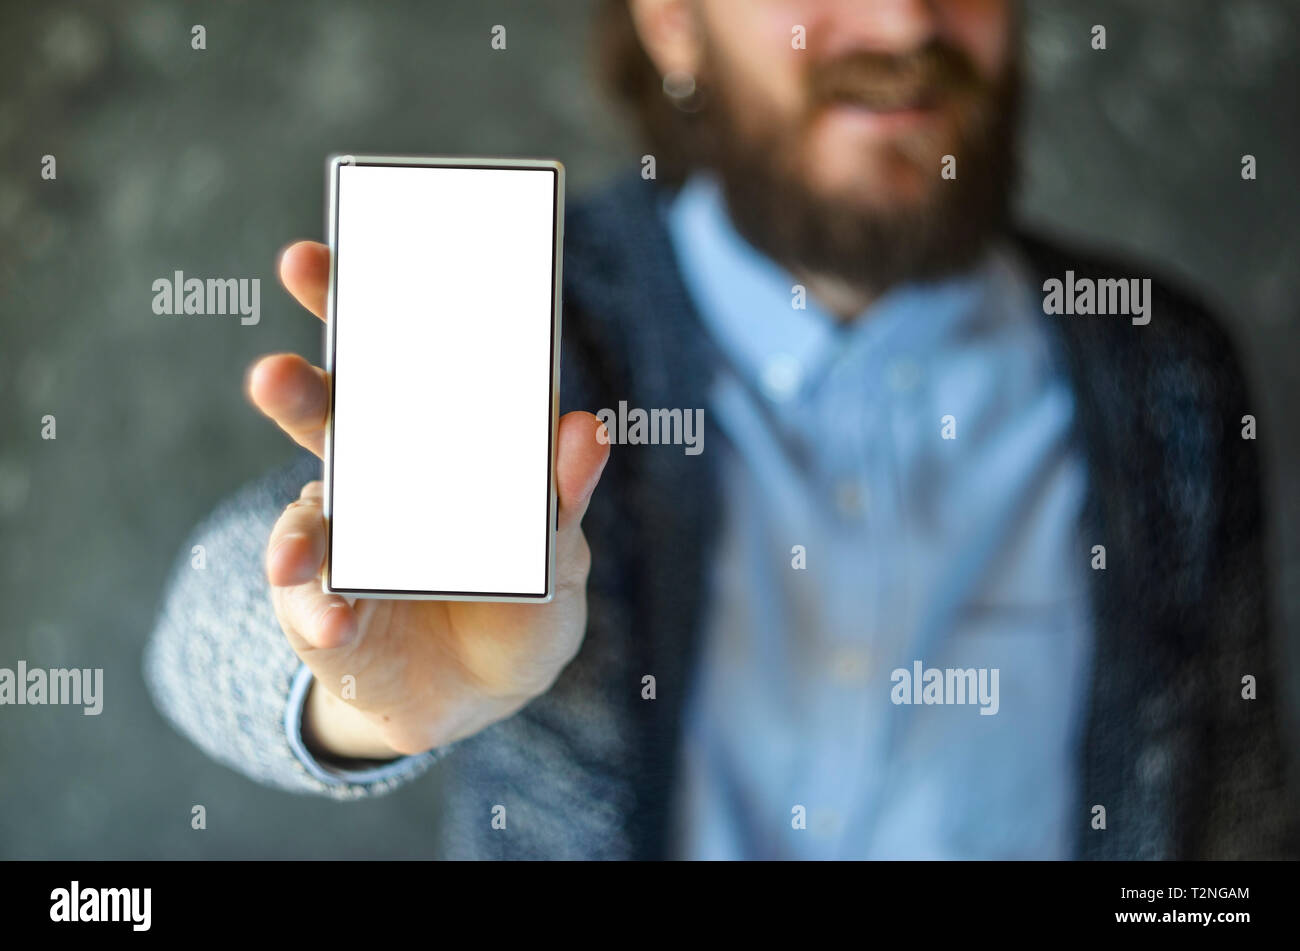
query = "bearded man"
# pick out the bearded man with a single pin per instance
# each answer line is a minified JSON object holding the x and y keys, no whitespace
{"x":910,"y":466}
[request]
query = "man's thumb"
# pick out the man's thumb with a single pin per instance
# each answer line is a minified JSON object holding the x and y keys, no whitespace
{"x":580,"y":457}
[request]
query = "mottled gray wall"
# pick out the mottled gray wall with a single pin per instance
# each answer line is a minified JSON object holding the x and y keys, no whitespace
{"x":209,"y":162}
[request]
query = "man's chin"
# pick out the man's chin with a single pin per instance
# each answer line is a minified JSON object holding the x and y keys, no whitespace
{"x":874,"y":211}
{"x":891,"y":187}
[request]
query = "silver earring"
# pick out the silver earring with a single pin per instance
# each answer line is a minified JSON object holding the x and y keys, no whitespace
{"x":681,"y":90}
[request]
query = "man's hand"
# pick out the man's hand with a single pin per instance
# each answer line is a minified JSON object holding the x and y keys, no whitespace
{"x":426,"y":672}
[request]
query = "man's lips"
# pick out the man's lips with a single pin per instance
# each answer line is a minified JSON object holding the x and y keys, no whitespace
{"x":878,"y":117}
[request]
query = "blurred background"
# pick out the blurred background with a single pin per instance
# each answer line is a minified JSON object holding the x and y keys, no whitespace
{"x":210,"y":161}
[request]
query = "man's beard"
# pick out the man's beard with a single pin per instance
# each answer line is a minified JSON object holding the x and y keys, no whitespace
{"x":874,"y":248}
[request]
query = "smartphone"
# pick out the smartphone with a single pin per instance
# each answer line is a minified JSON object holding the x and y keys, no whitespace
{"x":443,"y":349}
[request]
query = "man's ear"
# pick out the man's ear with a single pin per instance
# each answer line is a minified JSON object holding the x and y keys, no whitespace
{"x":670,"y":34}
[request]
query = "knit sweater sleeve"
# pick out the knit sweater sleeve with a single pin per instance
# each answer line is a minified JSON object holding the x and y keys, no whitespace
{"x":220,"y":669}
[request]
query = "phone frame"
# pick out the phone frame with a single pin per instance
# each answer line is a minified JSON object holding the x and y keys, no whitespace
{"x":333,"y":165}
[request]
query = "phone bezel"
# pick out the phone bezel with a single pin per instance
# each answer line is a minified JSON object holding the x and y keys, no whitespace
{"x":333,"y":164}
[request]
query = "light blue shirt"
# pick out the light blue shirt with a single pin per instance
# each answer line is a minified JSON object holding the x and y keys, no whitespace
{"x":960,"y":553}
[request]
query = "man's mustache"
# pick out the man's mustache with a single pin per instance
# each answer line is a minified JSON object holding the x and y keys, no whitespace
{"x":883,"y":81}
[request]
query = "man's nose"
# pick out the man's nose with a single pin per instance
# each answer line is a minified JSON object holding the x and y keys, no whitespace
{"x":880,"y":26}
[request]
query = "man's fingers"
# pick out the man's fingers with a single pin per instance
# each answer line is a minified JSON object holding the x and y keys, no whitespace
{"x":296,"y":548}
{"x":580,"y":458}
{"x":305,"y":273}
{"x":312,"y":619}
{"x":295,"y":394}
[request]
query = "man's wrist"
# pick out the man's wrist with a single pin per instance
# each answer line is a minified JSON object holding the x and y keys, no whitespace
{"x":334,"y":728}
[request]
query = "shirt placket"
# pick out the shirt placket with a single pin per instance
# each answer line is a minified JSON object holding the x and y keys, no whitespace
{"x":845,"y":480}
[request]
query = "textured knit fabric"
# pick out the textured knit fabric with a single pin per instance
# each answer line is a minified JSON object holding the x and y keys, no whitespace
{"x":1184,"y":766}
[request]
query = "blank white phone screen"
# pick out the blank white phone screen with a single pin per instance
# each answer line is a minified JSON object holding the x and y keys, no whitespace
{"x":442,"y":354}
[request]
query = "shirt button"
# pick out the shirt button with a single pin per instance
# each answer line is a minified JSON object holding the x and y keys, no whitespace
{"x":826,"y":823}
{"x":850,"y":499}
{"x":850,"y":665}
{"x":902,"y":374}
{"x":781,"y":376}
